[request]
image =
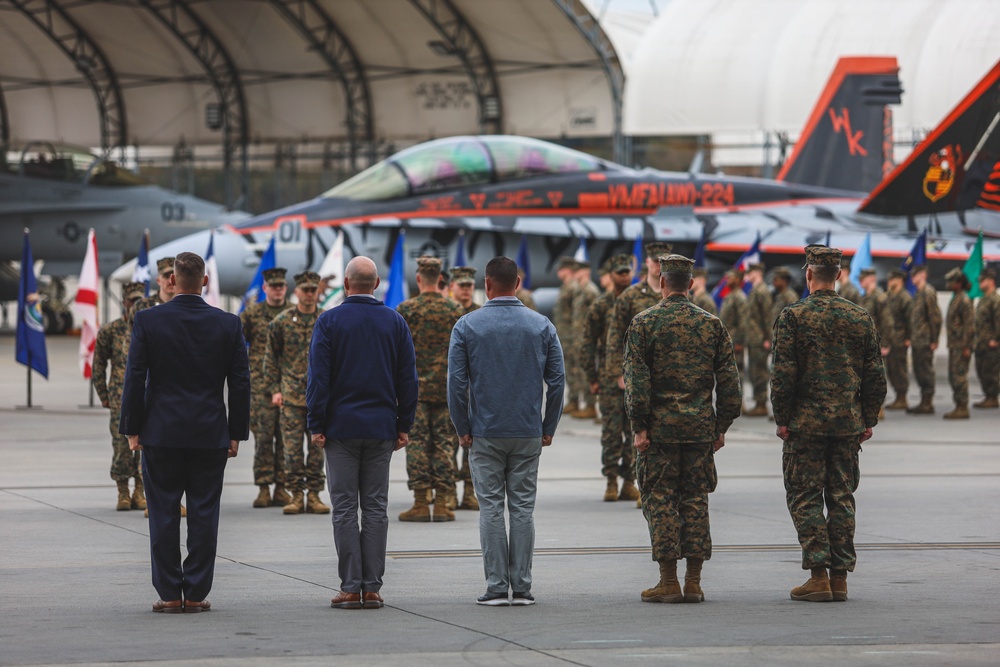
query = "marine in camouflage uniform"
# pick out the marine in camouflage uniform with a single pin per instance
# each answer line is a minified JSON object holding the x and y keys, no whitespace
{"x":988,"y":340}
{"x":847,"y":289}
{"x":111,"y":349}
{"x":269,"y":449}
{"x":733,"y":315}
{"x":583,"y":299}
{"x":876,"y":302}
{"x":562,"y":316}
{"x":758,"y":338}
{"x":925,"y":330}
{"x":286,"y":369}
{"x":617,"y":453}
{"x":165,"y":291}
{"x":463,"y":286}
{"x":676,"y":354}
{"x":901,"y":307}
{"x":784,"y":295}
{"x":827,"y":385}
{"x":699,"y":294}
{"x":960,"y":325}
{"x":430,"y":456}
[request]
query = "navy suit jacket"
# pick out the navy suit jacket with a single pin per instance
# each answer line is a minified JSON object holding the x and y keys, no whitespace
{"x":183,"y":353}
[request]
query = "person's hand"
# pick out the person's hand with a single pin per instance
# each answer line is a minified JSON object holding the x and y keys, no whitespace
{"x":105,"y":404}
{"x":234,"y":448}
{"x":402,"y":440}
{"x":866,"y":435}
{"x":546,"y":440}
{"x":885,"y":352}
{"x":783,"y":432}
{"x":621,"y":382}
{"x":641,"y":440}
{"x":767,"y":345}
{"x":133,"y":443}
{"x":994,"y":344}
{"x":276,"y":399}
{"x":933,"y":347}
{"x":719,"y":443}
{"x":465,"y":440}
{"x":966,"y":353}
{"x":595,"y":388}
{"x":319,"y":440}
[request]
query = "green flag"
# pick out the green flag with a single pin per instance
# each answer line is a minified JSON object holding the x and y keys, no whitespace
{"x":974,"y":266}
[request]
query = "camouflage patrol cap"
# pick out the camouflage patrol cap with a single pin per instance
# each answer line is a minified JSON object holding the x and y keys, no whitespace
{"x":275,"y":276}
{"x":820,"y":255}
{"x":566,"y":263}
{"x":868,"y":272}
{"x":656,"y":248}
{"x":165,"y":265}
{"x":954,"y":275}
{"x":463,"y":275}
{"x":428,"y":265}
{"x":756,"y":266}
{"x":580,"y":265}
{"x":621,"y":262}
{"x":699,"y":273}
{"x":676,"y":264}
{"x":605,"y":268}
{"x":988,"y":274}
{"x":782,"y":272}
{"x":896,"y":273}
{"x":734,"y":273}
{"x":307,"y":279}
{"x":133,"y":291}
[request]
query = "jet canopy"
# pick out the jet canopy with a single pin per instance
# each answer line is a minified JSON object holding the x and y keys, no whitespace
{"x":41,"y":159}
{"x":458,"y":162}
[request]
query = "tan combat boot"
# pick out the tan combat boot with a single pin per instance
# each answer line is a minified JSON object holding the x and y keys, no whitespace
{"x":421,"y":511}
{"x":314,"y":505}
{"x":469,"y":499}
{"x":280,"y":497}
{"x":139,"y":495}
{"x":988,"y":402}
{"x":124,"y":497}
{"x":611,"y":492}
{"x":297,"y":505}
{"x":838,"y":585}
{"x":442,"y":505}
{"x":263,"y":498}
{"x":899,"y":404}
{"x":816,"y":589}
{"x":925,"y":407}
{"x":692,"y":581}
{"x":961,"y":411}
{"x":759,"y":410}
{"x":588,"y":412}
{"x":628,"y":492}
{"x":451,"y":498}
{"x":668,"y":589}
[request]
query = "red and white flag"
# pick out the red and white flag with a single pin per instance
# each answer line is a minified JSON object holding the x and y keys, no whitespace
{"x":85,"y":305}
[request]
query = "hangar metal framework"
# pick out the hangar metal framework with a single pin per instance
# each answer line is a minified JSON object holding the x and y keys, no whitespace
{"x":239,"y":74}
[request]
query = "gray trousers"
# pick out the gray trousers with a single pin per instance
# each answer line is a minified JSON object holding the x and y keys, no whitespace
{"x":357,"y":473}
{"x":506,"y":468}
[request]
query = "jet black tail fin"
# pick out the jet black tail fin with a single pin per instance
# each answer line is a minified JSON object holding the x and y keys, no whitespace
{"x":957,"y":167}
{"x":843,"y":143}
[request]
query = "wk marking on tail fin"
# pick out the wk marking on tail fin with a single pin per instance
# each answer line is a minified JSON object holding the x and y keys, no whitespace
{"x":843,"y":123}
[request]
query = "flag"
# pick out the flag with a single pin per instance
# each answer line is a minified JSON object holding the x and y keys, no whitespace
{"x":395,"y":293}
{"x":30,"y":344}
{"x":333,"y":269}
{"x":974,"y":266}
{"x":141,"y":273}
{"x":523,"y":262}
{"x":917,"y":257}
{"x":460,"y":251}
{"x":211,"y":291}
{"x":582,"y":254}
{"x":85,"y":305}
{"x":699,"y":250}
{"x":255,"y":292}
{"x":637,"y":252}
{"x":862,"y":260}
{"x":751,"y":256}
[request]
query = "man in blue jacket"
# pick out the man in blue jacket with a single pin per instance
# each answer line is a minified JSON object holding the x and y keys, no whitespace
{"x":505,"y":345}
{"x":361,"y":397}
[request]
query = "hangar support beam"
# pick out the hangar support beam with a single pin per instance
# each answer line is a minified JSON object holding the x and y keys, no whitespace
{"x":318,"y":28}
{"x":4,"y":129}
{"x":231,"y":116}
{"x":591,"y":31}
{"x":461,"y":40}
{"x":89,"y":60}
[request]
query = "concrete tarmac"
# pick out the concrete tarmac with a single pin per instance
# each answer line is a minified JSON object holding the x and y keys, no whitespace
{"x":75,"y":581}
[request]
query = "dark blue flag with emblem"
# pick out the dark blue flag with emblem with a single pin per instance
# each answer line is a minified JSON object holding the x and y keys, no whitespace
{"x":917,"y":257}
{"x":255,"y":293}
{"x":30,"y":327}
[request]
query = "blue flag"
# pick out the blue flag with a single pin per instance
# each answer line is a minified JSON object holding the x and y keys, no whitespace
{"x":862,"y":260}
{"x":460,"y":251}
{"x":699,"y":251}
{"x":141,"y":273}
{"x":30,"y":347}
{"x":917,"y":257}
{"x":637,"y":252}
{"x":582,"y":254}
{"x":395,"y":294}
{"x":255,"y":292}
{"x":523,"y":261}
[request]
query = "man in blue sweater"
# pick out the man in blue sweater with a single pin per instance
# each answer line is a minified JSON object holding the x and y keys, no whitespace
{"x":500,"y":346}
{"x":361,"y":397}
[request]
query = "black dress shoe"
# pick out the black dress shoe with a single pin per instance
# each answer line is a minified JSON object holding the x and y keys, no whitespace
{"x":493,"y":599}
{"x":522,"y":599}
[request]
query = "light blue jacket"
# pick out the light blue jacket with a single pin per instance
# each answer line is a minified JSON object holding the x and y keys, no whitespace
{"x":500,"y":357}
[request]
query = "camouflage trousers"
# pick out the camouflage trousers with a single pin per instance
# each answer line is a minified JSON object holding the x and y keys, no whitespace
{"x":758,"y":372}
{"x":988,"y":371}
{"x":617,"y":452}
{"x":124,"y":462}
{"x":269,"y":450}
{"x":958,"y":376}
{"x":923,"y":369}
{"x":817,"y":470}
{"x":576,"y":379}
{"x":674,"y":483}
{"x":430,"y":462}
{"x":307,"y":475}
{"x":461,"y":462}
{"x":895,"y":369}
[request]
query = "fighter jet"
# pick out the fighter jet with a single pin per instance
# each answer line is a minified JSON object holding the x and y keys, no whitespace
{"x":494,"y":189}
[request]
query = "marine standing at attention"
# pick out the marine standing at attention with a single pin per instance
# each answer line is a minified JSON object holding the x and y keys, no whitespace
{"x":900,"y":305}
{"x":562,"y":317}
{"x":758,"y":338}
{"x":265,"y":416}
{"x":988,"y":340}
{"x":784,"y":295}
{"x":463,"y":285}
{"x":925,"y":330}
{"x":847,"y":289}
{"x":587,"y":292}
{"x":827,"y":385}
{"x":699,"y":294}
{"x":876,"y":302}
{"x":733,"y":314}
{"x":165,"y":291}
{"x":961,"y":328}
{"x":676,"y":354}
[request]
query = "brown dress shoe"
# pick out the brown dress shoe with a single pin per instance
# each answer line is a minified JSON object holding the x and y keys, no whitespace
{"x":191,"y":607}
{"x":344,"y":600}
{"x":372,"y":600}
{"x":169,"y":607}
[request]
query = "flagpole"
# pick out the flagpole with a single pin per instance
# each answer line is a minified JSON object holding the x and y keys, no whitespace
{"x":29,"y":381}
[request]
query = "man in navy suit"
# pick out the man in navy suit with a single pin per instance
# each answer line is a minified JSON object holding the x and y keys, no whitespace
{"x":182,"y":356}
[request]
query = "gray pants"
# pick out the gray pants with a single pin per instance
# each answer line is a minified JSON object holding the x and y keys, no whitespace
{"x":506,"y":468}
{"x":359,"y":469}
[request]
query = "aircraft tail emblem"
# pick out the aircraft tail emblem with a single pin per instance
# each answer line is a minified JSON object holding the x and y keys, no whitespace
{"x":940,"y":176}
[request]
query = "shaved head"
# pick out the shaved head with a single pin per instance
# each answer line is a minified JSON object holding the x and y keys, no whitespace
{"x":361,"y":276}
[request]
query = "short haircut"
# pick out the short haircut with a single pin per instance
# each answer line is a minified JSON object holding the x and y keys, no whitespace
{"x":823,"y":273}
{"x":189,"y":270}
{"x":922,"y":268}
{"x":502,"y":272}
{"x":676,"y":282}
